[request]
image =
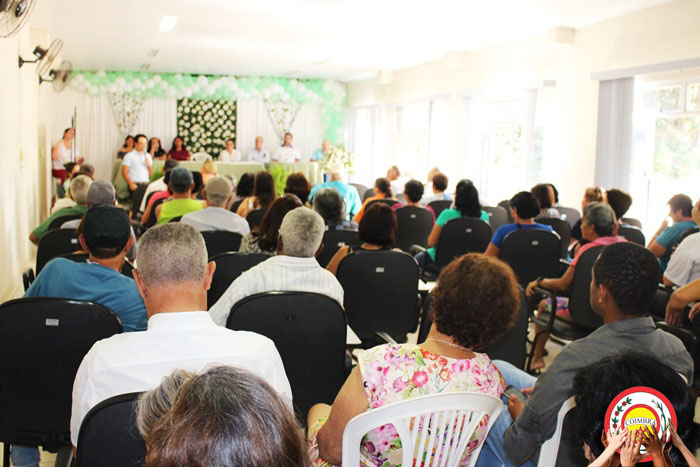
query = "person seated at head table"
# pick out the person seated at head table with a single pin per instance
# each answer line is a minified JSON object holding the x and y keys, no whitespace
{"x":287,"y":152}
{"x":218,"y":192}
{"x":598,"y":229}
{"x":351,"y":198}
{"x":259,"y":153}
{"x":330,"y":205}
{"x":667,"y":237}
{"x":208,"y":170}
{"x":523,"y":208}
{"x":596,"y":386}
{"x":448,"y":360}
{"x":382,"y":190}
{"x":321,"y":153}
{"x":178,"y":150}
{"x":297,"y":184}
{"x":229,"y":153}
{"x":264,"y":193}
{"x":294,"y":268}
{"x":181,"y":184}
{"x":413,"y":190}
{"x":544,"y":193}
{"x":438,"y":185}
{"x":79,"y":187}
{"x":173,"y":277}
{"x":155,"y":149}
{"x":264,"y":237}
{"x":624,"y":281}
{"x":127,"y":147}
{"x":222,"y":416}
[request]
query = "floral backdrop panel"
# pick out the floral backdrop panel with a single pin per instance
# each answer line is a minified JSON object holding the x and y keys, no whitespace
{"x":206,"y":125}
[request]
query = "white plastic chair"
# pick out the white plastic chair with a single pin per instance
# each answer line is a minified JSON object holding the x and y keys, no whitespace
{"x":427,"y":425}
{"x":550,"y":448}
{"x":201,"y":157}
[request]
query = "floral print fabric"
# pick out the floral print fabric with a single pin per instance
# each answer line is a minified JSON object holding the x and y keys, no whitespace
{"x":396,"y":372}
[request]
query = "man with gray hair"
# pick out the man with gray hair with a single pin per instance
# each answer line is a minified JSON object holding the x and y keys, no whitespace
{"x":173,"y":277}
{"x":217,"y":193}
{"x":294,"y":269}
{"x":349,"y":193}
{"x":79,"y":187}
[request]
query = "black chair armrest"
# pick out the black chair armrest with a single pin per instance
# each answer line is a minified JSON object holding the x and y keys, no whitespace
{"x":27,"y":278}
{"x":549,"y":295}
{"x":413,"y":251}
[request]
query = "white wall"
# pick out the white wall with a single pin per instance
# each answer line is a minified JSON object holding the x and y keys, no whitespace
{"x":24,"y":158}
{"x":659,"y":34}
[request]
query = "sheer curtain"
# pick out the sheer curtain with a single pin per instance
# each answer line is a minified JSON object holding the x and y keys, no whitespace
{"x":367,"y":138}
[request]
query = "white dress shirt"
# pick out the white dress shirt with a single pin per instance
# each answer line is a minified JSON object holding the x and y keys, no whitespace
{"x":137,"y":361}
{"x":214,"y":218}
{"x":287,"y":154}
{"x":153,"y":187}
{"x":225,"y":156}
{"x":138,"y":170}
{"x":684,"y":266}
{"x":285,"y":273}
{"x":258,"y":156}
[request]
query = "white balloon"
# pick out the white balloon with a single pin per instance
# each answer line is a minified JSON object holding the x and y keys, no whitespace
{"x":195,"y":88}
{"x":112,"y":88}
{"x":187,"y":93}
{"x":266,"y":93}
{"x":156,"y":79}
{"x":120,"y":81}
{"x":164,"y":84}
{"x":128,"y":87}
{"x":284,"y":97}
{"x":150,"y":83}
{"x":233,"y":86}
{"x":178,"y":76}
{"x":93,"y":90}
{"x":210,"y":89}
{"x":202,"y":81}
{"x":101,"y":74}
{"x":171,"y":92}
{"x":78,"y":78}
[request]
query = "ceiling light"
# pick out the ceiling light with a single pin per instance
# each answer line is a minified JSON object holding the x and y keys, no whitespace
{"x":168,"y":23}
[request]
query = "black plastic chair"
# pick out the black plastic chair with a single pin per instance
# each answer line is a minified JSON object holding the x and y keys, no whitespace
{"x":439,"y":205}
{"x":42,"y":342}
{"x":563,"y":229}
{"x":148,"y":197}
{"x":381,"y":294}
{"x":176,"y":219}
{"x":77,"y":257}
{"x":414,"y":226}
{"x":109,"y":436}
{"x":309,"y":331}
{"x":361,"y":189}
{"x":255,"y":217}
{"x":497,"y":216}
{"x":690,"y":338}
{"x":236,"y":205}
{"x":59,"y":221}
{"x":220,"y":241}
{"x":532,"y":253}
{"x":388,"y":201}
{"x":334,"y":240}
{"x":632,"y":234}
{"x":688,"y":233}
{"x":505,"y":204}
{"x":228,"y":267}
{"x":28,"y":278}
{"x":152,"y":218}
{"x":55,"y":243}
{"x":368,"y":194}
{"x":570,"y":215}
{"x":632,"y":221}
{"x":657,"y":308}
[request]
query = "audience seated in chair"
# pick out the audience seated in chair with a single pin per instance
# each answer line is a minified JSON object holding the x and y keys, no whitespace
{"x":293,"y":269}
{"x":466,"y":205}
{"x":438,"y":187}
{"x":330,"y":205}
{"x":297,"y":184}
{"x":413,"y":190}
{"x":684,"y":265}
{"x":666,"y":238}
{"x":382,"y":190}
{"x":592,"y":194}
{"x":172,"y":277}
{"x":474,"y":303}
{"x":619,"y":201}
{"x":263,"y":238}
{"x":394,"y":177}
{"x":349,"y":193}
{"x":625,"y":278}
{"x":182,"y":185}
{"x":523,"y":208}
{"x":223,"y":416}
{"x":218,"y":192}
{"x":79,"y":187}
{"x":544,"y":193}
{"x":159,"y":184}
{"x":597,"y":385}
{"x":598,"y":229}
{"x":264,"y":193}
{"x":377,"y":231}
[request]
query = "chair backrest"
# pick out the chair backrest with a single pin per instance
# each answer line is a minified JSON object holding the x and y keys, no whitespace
{"x":77,"y":257}
{"x":532,"y":253}
{"x":437,"y":428}
{"x":369,"y":193}
{"x":687,"y":233}
{"x":657,"y":308}
{"x":388,"y":201}
{"x":255,"y":217}
{"x":460,"y":236}
{"x":220,"y":241}
{"x":512,"y":346}
{"x":497,"y":216}
{"x":42,"y":342}
{"x":505,"y":204}
{"x":361,"y":189}
{"x":149,"y":196}
{"x":439,"y":205}
{"x":381,"y":292}
{"x":309,"y":331}
{"x":109,"y":436}
{"x":632,"y":234}
{"x":55,"y":243}
{"x":570,"y":215}
{"x":152,"y":218}
{"x":175,"y":219}
{"x":27,"y":278}
{"x":59,"y":221}
{"x":563,"y":229}
{"x":228,"y":267}
{"x":334,"y":240}
{"x":580,"y":291}
{"x":201,"y":157}
{"x":414,"y":226}
{"x":550,"y":448}
{"x":632,"y":221}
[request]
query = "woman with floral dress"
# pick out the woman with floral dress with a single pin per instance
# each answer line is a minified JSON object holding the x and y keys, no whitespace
{"x":474,"y":303}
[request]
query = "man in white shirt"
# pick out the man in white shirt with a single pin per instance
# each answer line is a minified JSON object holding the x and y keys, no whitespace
{"x":230,"y":154}
{"x":293,"y":269}
{"x":159,"y":183}
{"x":172,"y":277}
{"x":259,"y":154}
{"x":137,"y":168}
{"x":287,"y":153}
{"x":218,"y":192}
{"x":684,"y":265}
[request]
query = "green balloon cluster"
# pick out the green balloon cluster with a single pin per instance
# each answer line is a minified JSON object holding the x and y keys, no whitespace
{"x":328,"y":93}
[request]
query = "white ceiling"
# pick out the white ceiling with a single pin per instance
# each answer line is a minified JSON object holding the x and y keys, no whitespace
{"x":341,"y":39}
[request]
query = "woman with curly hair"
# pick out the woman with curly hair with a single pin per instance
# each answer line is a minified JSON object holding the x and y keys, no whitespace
{"x":447,"y":361}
